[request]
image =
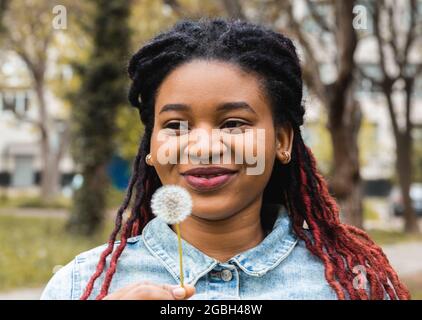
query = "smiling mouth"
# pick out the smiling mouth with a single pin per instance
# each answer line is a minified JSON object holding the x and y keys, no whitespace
{"x":208,"y":182}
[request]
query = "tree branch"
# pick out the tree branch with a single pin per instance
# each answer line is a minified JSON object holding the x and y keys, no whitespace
{"x":409,"y":83}
{"x":410,"y":36}
{"x":393,"y":40}
{"x":24,"y":118}
{"x":379,"y":5}
{"x":311,"y":72}
{"x":317,"y":17}
{"x":347,"y":41}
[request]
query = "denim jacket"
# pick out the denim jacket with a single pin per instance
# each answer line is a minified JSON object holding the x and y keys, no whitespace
{"x":280,"y":267}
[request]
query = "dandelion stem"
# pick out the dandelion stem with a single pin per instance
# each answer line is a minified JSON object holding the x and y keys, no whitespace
{"x":180,"y":254}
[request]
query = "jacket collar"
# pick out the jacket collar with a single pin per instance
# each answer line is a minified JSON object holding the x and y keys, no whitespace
{"x":161,"y":241}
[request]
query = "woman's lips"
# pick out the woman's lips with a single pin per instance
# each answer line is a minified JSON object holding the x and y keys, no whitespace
{"x":207,"y":183}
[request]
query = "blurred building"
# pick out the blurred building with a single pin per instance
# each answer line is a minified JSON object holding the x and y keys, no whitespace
{"x":20,"y":161}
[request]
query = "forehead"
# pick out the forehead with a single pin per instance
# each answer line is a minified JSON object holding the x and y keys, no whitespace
{"x":209,"y":83}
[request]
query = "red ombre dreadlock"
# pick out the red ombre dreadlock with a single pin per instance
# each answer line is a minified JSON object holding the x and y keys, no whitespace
{"x":273,"y":58}
{"x":341,"y":247}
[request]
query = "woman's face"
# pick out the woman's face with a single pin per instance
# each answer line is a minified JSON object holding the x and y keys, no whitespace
{"x":213,"y":114}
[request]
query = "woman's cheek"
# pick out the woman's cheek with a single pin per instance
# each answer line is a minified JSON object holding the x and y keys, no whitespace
{"x":164,"y":155}
{"x":254,"y":148}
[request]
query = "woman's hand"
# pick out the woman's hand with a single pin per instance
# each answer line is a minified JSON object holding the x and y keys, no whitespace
{"x":146,"y":290}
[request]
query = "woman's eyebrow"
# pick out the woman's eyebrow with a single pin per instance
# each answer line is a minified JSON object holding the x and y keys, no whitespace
{"x":225,"y":106}
{"x":175,"y":107}
{"x":239,"y":105}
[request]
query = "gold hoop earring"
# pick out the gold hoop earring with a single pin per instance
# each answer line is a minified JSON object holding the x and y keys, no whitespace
{"x":285,"y":157}
{"x":148,"y":159}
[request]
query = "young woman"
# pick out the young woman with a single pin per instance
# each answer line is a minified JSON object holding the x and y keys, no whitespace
{"x":272,"y":235}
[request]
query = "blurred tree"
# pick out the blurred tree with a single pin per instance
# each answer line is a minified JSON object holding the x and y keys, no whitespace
{"x":417,"y":156}
{"x":31,"y":37}
{"x":327,"y":38}
{"x":129,"y":130}
{"x":400,"y":65}
{"x":3,"y":6}
{"x":103,"y":90}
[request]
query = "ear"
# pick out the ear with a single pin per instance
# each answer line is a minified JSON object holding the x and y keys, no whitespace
{"x":284,"y":140}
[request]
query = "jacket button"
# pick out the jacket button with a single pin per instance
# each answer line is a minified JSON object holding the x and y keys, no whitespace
{"x":226,"y":275}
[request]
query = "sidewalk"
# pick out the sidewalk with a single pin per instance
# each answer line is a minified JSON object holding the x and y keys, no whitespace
{"x":406,"y":258}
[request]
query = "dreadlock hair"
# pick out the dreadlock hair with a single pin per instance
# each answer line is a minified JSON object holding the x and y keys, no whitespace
{"x":297,"y":185}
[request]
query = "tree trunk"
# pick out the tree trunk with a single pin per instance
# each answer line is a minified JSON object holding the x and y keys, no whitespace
{"x":344,"y":120}
{"x":404,"y":172}
{"x":403,"y":140}
{"x":86,"y":199}
{"x":346,"y":184}
{"x":50,"y":176}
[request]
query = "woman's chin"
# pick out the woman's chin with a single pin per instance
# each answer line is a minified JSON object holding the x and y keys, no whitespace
{"x":206,"y":210}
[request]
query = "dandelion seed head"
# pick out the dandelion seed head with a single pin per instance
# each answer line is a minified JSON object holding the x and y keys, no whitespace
{"x":171,"y":203}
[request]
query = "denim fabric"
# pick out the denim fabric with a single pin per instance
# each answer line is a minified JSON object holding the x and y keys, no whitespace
{"x":280,"y":267}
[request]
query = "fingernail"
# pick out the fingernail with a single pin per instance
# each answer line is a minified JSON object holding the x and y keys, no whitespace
{"x":179,"y":292}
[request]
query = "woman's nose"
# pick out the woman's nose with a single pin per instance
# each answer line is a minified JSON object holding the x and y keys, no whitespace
{"x":205,"y":145}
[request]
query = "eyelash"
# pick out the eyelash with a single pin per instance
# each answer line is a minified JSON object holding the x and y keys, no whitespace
{"x":167,"y":126}
{"x":242,"y":123}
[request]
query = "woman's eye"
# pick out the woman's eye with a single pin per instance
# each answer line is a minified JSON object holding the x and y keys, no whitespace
{"x":176,"y":126}
{"x":232,"y":124}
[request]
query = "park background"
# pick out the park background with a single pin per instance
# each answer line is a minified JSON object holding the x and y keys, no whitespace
{"x":68,"y":136}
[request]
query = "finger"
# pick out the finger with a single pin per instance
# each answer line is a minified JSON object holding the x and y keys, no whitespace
{"x":190,"y":290}
{"x":170,"y":287}
{"x":116,"y":295}
{"x":181,"y":292}
{"x":133,"y":285}
{"x":148,"y":292}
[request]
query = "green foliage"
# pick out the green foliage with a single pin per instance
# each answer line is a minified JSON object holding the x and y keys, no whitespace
{"x":369,"y":212}
{"x":115,"y":198}
{"x":317,"y":137}
{"x":367,"y":141}
{"x":149,"y":17}
{"x":32,"y":246}
{"x":129,"y":132}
